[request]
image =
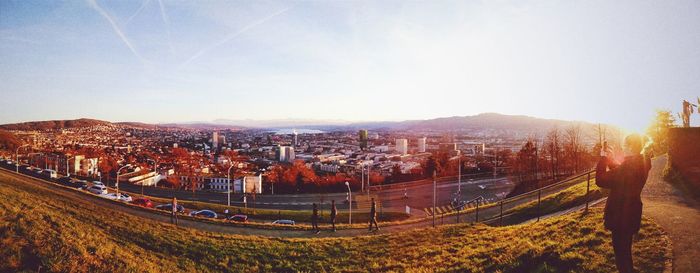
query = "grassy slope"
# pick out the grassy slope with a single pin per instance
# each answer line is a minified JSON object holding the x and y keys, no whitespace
{"x":60,"y":235}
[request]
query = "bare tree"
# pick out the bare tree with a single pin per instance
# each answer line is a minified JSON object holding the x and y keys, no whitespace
{"x":573,"y":146}
{"x":553,"y":150}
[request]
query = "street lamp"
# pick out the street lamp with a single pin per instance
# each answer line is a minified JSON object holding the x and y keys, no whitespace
{"x":67,"y":170}
{"x":17,"y":157}
{"x":116,"y":184}
{"x":349,"y":202}
{"x":228,"y":181}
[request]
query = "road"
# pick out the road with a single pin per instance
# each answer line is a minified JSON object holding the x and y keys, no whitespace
{"x":420,"y":195}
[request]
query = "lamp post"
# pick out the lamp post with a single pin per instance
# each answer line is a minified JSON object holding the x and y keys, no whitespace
{"x":67,"y":170}
{"x":155,"y":169}
{"x":228,"y":181}
{"x":349,"y":202}
{"x":116,"y":184}
{"x":17,"y":157}
{"x":459,"y":173}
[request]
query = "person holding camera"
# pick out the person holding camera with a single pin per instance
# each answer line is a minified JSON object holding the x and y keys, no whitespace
{"x":623,"y":209}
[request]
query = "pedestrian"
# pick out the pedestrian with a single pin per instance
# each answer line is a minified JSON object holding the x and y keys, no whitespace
{"x":334,"y":213}
{"x":373,"y":216}
{"x":623,"y":209}
{"x":314,"y":219}
{"x":173,"y":216}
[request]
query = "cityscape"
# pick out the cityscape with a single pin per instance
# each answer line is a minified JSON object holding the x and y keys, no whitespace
{"x":353,"y":136}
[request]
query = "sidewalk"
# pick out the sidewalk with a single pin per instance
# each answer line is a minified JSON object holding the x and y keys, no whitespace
{"x":678,"y":215}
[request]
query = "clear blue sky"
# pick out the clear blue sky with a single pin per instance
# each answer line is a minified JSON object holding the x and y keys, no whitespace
{"x":169,"y":61}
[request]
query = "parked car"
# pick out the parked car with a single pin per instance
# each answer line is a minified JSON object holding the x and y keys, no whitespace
{"x":284,"y":222}
{"x":98,"y":189}
{"x":97,"y":183}
{"x":169,"y":208}
{"x":64,"y":180}
{"x":203,"y":213}
{"x":144,"y":202}
{"x":80,"y":184}
{"x":122,"y":197}
{"x":239,"y":218}
{"x":50,"y":173}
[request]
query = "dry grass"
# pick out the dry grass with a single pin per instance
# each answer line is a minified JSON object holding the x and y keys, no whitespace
{"x":41,"y":229}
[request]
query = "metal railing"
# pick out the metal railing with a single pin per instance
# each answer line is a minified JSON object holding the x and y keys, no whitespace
{"x":498,"y":212}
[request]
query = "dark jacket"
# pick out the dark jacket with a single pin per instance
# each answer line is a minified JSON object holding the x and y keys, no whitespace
{"x":373,"y":210}
{"x":334,"y":212}
{"x":623,"y":210}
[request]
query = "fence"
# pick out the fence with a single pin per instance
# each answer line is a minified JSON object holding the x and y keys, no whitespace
{"x":519,"y":208}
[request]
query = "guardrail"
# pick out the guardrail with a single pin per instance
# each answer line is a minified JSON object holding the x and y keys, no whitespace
{"x":498,"y":211}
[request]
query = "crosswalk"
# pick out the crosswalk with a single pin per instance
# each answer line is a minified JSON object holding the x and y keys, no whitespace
{"x":446,"y":209}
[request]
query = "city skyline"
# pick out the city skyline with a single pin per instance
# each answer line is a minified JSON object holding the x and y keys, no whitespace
{"x":163,"y":62}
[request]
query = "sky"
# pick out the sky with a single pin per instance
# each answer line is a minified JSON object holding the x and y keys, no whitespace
{"x":162,"y":61}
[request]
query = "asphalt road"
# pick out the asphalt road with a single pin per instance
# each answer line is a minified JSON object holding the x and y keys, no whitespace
{"x":420,"y":195}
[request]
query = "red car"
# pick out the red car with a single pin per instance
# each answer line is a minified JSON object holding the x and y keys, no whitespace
{"x":144,"y":202}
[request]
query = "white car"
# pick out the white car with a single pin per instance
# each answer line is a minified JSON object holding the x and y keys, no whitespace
{"x":97,"y":183}
{"x":113,"y":196}
{"x":98,"y":189}
{"x":284,"y":222}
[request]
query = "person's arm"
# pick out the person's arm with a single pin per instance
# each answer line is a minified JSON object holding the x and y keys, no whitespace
{"x":604,"y":178}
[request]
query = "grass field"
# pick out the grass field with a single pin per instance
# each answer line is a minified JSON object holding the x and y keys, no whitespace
{"x":61,"y":235}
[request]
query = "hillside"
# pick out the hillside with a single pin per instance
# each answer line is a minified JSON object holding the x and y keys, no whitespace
{"x":8,"y":141}
{"x":39,"y":229}
{"x":54,"y":124}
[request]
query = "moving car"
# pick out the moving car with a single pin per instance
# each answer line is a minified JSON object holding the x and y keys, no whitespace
{"x":122,"y":197}
{"x":169,"y":208}
{"x":239,"y":218}
{"x":98,"y":189}
{"x":284,"y":222}
{"x":144,"y":202}
{"x":203,"y":213}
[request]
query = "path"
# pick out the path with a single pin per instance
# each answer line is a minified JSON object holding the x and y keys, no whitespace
{"x":678,"y":215}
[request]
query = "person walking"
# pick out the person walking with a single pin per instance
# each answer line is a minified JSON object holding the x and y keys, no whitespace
{"x":373,"y":216}
{"x":173,"y":216}
{"x":314,"y":219}
{"x":623,"y":209}
{"x":334,"y":213}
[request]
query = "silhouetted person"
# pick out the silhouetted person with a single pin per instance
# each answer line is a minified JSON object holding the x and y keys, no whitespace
{"x":623,"y":210}
{"x":334,"y":214}
{"x":373,"y":216}
{"x":314,"y":218}
{"x":173,"y":215}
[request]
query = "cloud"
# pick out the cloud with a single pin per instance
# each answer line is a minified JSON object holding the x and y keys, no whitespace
{"x":116,"y":29}
{"x":233,"y":36}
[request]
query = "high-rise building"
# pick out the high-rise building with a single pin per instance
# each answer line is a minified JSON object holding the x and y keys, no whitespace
{"x":286,"y":154}
{"x":295,"y":140}
{"x":402,"y":146}
{"x":421,"y":144}
{"x":363,"y":139}
{"x":215,"y":140}
{"x":290,"y":154}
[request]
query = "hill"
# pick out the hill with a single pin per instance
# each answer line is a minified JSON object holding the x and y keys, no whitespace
{"x":54,"y":124}
{"x":8,"y":141}
{"x":41,"y":229}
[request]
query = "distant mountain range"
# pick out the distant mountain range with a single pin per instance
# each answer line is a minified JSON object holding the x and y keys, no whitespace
{"x":492,"y":121}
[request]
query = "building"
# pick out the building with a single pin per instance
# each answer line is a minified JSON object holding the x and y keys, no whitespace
{"x":421,"y":144}
{"x":295,"y":140}
{"x":363,"y":139}
{"x":402,"y":146}
{"x":215,"y":140}
{"x":286,"y":154}
{"x":289,"y":152}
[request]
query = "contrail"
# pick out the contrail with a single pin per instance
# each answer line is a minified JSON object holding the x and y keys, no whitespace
{"x":233,"y":36}
{"x":166,"y":21}
{"x":143,"y":5}
{"x":116,"y":28}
